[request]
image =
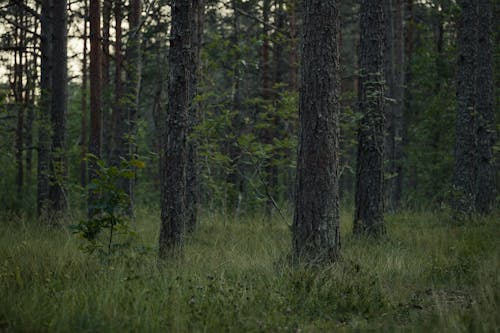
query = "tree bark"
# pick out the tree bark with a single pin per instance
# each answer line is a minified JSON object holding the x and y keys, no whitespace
{"x":84,"y":123}
{"x":486,"y":131}
{"x":107,"y":7}
{"x":394,"y":78}
{"x":95,"y":92}
{"x":119,"y":143}
{"x":59,"y":108}
{"x":316,"y":234}
{"x":463,"y":200}
{"x":369,"y":196}
{"x":173,"y":200}
{"x":44,"y":130}
{"x":193,"y":170}
{"x":133,"y":71}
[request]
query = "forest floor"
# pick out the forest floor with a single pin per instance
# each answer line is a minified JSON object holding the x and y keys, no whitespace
{"x":427,"y":275}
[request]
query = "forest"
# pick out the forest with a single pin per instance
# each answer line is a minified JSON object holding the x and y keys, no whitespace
{"x":249,"y":165}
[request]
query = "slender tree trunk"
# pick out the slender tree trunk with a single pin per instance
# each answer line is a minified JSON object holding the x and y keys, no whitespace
{"x":389,"y":75}
{"x":119,"y":143}
{"x":235,"y":194}
{"x":316,"y":234}
{"x":84,"y":123}
{"x":173,"y":204}
{"x":59,"y":108}
{"x":95,"y":92}
{"x":133,"y":71}
{"x":463,"y":200}
{"x":369,"y":196}
{"x":266,"y":73}
{"x":192,"y":172}
{"x":293,"y":63}
{"x":394,"y":77}
{"x":17,"y":89}
{"x":44,"y":130}
{"x":485,"y":90}
{"x":396,"y":191}
{"x":107,"y":8}
{"x":30,"y":96}
{"x":409,"y":41}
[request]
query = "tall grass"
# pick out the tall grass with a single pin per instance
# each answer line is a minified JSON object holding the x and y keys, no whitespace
{"x":427,"y":275}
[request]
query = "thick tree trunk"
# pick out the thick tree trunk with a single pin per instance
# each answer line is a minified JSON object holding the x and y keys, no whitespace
{"x":463,"y":200}
{"x":44,"y":116}
{"x":192,"y":171}
{"x":316,"y":234}
{"x":59,"y":108}
{"x":95,"y":92}
{"x":485,"y":90}
{"x":173,"y":200}
{"x":369,"y":196}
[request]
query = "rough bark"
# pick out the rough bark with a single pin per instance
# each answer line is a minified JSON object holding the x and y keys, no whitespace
{"x":369,"y":195}
{"x":389,"y":75}
{"x":44,"y":131}
{"x":173,"y":205}
{"x":316,"y":234}
{"x":394,"y":78}
{"x":59,"y":108}
{"x":486,"y":131}
{"x":84,"y":122}
{"x":463,"y":198}
{"x":293,"y":63}
{"x":193,"y":169}
{"x":120,"y":118}
{"x":107,"y":7}
{"x":133,"y":75}
{"x":95,"y":91}
{"x":396,"y":186}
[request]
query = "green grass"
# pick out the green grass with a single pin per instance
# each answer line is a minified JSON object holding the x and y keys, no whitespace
{"x":427,"y":275}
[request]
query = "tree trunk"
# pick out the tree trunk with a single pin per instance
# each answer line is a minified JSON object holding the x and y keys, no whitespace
{"x":369,"y":202}
{"x":107,"y":7}
{"x":394,"y":77}
{"x":119,"y":142}
{"x":193,"y":170}
{"x":292,"y":12}
{"x":463,"y":200}
{"x":45,"y":105}
{"x":316,"y":234}
{"x":133,"y":71}
{"x":95,"y":92}
{"x":173,"y":205}
{"x":486,"y":131}
{"x":59,"y":108}
{"x":396,"y":190}
{"x":235,"y":194}
{"x":84,"y":123}
{"x":389,"y":75}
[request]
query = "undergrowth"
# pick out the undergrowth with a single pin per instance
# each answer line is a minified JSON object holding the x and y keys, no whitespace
{"x":427,"y":275}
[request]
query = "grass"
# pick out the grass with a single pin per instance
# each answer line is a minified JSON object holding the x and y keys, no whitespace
{"x":427,"y":275}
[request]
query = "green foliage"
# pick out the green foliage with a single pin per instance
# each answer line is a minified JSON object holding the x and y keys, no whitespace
{"x":109,"y":207}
